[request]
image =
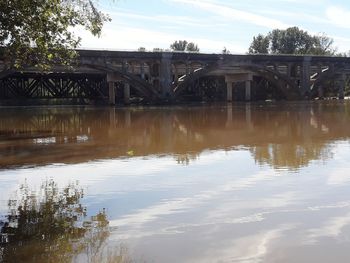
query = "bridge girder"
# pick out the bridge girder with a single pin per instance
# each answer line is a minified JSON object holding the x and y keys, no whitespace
{"x":158,"y":76}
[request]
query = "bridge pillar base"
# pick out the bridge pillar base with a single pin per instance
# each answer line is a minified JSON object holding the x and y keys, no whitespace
{"x":248,"y":90}
{"x":341,"y":87}
{"x":111,"y":93}
{"x":229,"y":88}
{"x":320,"y":92}
{"x":126,"y":93}
{"x":305,"y":77}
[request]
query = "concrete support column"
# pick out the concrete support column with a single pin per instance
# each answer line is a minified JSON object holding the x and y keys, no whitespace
{"x":126,"y":93}
{"x":125,"y":66}
{"x":320,"y":92}
{"x":229,"y":88}
{"x":111,"y":92}
{"x":305,"y":76}
{"x":187,"y":68}
{"x":176,"y":74}
{"x":142,"y":70}
{"x":341,"y":87}
{"x":248,"y":90}
{"x":165,"y":76}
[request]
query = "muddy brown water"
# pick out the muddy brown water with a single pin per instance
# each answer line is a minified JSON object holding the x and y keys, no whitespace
{"x":219,"y":183}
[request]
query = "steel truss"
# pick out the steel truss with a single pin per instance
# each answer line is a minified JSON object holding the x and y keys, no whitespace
{"x":54,"y":86}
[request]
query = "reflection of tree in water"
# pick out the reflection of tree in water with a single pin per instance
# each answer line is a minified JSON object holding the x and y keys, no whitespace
{"x":52,"y":227}
{"x":290,"y":155}
{"x":186,"y":158}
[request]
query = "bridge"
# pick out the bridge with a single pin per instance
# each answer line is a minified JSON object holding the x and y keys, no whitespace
{"x":155,"y":77}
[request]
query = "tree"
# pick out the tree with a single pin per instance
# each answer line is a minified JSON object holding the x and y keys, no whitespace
{"x":192,"y":47}
{"x":225,"y":51}
{"x":183,"y":45}
{"x":50,"y":227}
{"x":39,"y":32}
{"x":179,"y":45}
{"x":260,"y":45}
{"x":292,"y":41}
{"x":323,"y":45}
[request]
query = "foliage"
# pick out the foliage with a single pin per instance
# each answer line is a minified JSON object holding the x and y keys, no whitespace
{"x":39,"y":32}
{"x":292,"y":41}
{"x":225,"y":51}
{"x":51,"y":227}
{"x":191,"y":47}
{"x":156,"y":49}
{"x":260,"y":45}
{"x":183,"y":45}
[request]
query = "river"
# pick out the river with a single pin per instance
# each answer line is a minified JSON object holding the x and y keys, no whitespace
{"x":216,"y":183}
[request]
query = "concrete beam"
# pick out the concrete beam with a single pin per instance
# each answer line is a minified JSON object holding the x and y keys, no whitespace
{"x":239,"y":77}
{"x":111,"y":77}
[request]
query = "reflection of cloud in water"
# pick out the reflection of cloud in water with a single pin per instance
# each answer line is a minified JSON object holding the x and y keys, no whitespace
{"x":339,"y":176}
{"x":331,"y":229}
{"x":179,"y":205}
{"x":252,"y":248}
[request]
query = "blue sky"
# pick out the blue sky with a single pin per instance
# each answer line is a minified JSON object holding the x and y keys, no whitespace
{"x":215,"y":24}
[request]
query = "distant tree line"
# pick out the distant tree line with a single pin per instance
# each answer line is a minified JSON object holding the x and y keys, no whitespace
{"x":293,"y":41}
{"x":180,"y":45}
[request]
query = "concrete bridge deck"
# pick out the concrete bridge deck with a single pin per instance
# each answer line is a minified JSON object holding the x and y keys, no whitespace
{"x":116,"y":76}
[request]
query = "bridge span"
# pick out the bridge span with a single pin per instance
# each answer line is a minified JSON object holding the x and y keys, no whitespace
{"x":123,"y":77}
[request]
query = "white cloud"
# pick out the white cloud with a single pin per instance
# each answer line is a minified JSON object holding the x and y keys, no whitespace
{"x":233,"y":14}
{"x":338,"y":16}
{"x":131,"y":38}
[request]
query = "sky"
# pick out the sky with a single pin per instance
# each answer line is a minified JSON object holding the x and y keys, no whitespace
{"x":215,"y":24}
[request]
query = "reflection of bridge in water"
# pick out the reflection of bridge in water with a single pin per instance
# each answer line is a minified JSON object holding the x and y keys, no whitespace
{"x":281,"y":135}
{"x":116,"y":76}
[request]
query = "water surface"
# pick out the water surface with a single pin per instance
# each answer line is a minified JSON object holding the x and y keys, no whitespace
{"x":222,"y":183}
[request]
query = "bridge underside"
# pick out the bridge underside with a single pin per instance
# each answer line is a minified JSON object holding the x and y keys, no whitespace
{"x":142,"y":77}
{"x":39,"y":88}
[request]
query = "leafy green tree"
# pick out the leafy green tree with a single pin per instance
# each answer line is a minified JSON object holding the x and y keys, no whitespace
{"x":292,"y":41}
{"x":183,"y":45}
{"x":225,"y":51}
{"x":50,"y":227}
{"x":192,"y":47}
{"x":260,"y":45}
{"x":179,"y":45}
{"x":39,"y":32}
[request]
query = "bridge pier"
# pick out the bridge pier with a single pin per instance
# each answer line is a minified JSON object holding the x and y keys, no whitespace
{"x":111,"y":93}
{"x":229,"y":88}
{"x":126,"y":93}
{"x":320,"y":92}
{"x":305,"y":76}
{"x":142,"y":70}
{"x":341,"y":87}
{"x":248,"y":90}
{"x":165,"y":75}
